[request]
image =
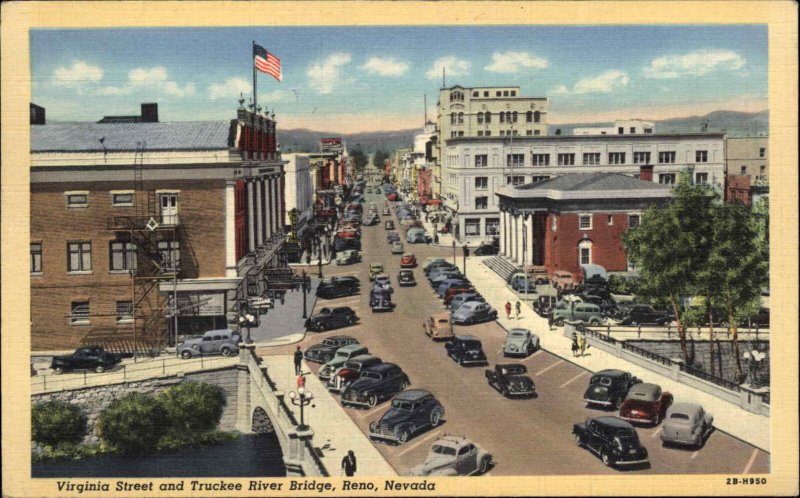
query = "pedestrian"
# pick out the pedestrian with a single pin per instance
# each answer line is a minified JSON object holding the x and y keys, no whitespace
{"x":349,"y":464}
{"x":518,"y":309}
{"x":298,"y":360}
{"x":575,"y":346}
{"x":301,"y":381}
{"x":508,"y":310}
{"x":582,"y":344}
{"x":550,"y":320}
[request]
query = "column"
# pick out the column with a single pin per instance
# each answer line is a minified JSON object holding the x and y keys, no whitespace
{"x":502,"y":232}
{"x":264,"y":232}
{"x":519,"y":239}
{"x":275,"y":207}
{"x":230,"y":229}
{"x":259,"y":212}
{"x":267,"y":204}
{"x":530,"y":239}
{"x":251,"y":236}
{"x":513,"y":237}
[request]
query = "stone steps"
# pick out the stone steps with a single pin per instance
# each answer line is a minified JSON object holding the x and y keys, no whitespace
{"x":501,"y":266}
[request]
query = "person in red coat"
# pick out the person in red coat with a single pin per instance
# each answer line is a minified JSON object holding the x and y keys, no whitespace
{"x":508,"y":309}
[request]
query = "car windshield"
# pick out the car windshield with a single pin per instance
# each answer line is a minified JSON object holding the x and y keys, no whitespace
{"x":401,"y":405}
{"x":599,"y":379}
{"x":518,"y":333}
{"x":370,"y":375}
{"x":443,"y":450}
{"x":679,"y":416}
{"x":329,"y":342}
{"x":342,"y":354}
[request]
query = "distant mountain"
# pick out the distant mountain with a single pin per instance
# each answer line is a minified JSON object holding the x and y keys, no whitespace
{"x":302,"y":140}
{"x":733,"y":123}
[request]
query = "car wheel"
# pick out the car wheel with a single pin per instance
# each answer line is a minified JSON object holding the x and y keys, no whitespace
{"x":578,"y":440}
{"x":484,"y":465}
{"x":225,"y":352}
{"x":99,"y":369}
{"x":460,"y":361}
{"x":504,"y":391}
{"x":634,"y":323}
{"x":372,"y":400}
{"x":558,"y":322}
{"x":58,"y":370}
{"x":594,"y":321}
{"x":402,"y":436}
{"x":352,"y":320}
{"x":606,"y":458}
{"x":186,"y":355}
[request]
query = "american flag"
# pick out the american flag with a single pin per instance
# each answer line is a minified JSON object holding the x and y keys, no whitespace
{"x":267,"y":62}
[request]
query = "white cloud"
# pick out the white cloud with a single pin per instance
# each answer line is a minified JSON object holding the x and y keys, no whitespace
{"x":230,"y":88}
{"x":512,"y":62}
{"x":384,"y":67}
{"x":604,"y":82}
{"x":155,"y":78}
{"x":696,"y":63}
{"x":77,"y":74}
{"x":324,"y":77}
{"x":452,"y":66}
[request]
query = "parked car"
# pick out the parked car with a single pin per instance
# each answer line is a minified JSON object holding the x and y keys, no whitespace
{"x":374,"y":270}
{"x":397,"y":248}
{"x":456,"y":290}
{"x":474,"y":312}
{"x":405,"y":278}
{"x":429,"y":261}
{"x":408,"y":261}
{"x":520,"y":342}
{"x":431,"y":267}
{"x":609,"y":387}
{"x":343,"y":354}
{"x":389,"y":224}
{"x":486,"y":250}
{"x":544,"y":305}
{"x":350,"y":371}
{"x":537,"y":273}
{"x":686,"y":424}
{"x":510,"y":379}
{"x":454,"y":456}
{"x":380,"y":300}
{"x":447,"y":284}
{"x":411,"y":412}
{"x":348,"y":257}
{"x":325,"y":350}
{"x":346,"y":244}
{"x":645,"y":403}
{"x":331,"y":318}
{"x":334,"y":288}
{"x":466,"y":350}
{"x":371,"y":219}
{"x":92,"y":358}
{"x":223,"y":342}
{"x":614,"y":440}
{"x":577,"y":311}
{"x":375,"y":384}
{"x":467,"y":297}
{"x":645,"y":314}
{"x":438,"y":326}
{"x":562,"y":280}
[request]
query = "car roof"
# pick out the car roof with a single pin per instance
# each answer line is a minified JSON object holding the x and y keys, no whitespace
{"x":412,"y":395}
{"x":376,"y":265}
{"x":441,"y":316}
{"x":611,"y":373}
{"x":363,"y":357}
{"x":450,"y":439}
{"x":471,"y":304}
{"x":519,"y":331}
{"x":408,"y":255}
{"x":351,"y":347}
{"x":513,"y":366}
{"x":644,"y":391}
{"x":467,"y":338}
{"x":382,"y":367}
{"x":685,"y":408}
{"x":340,"y":338}
{"x":613,"y":422}
{"x":343,"y":308}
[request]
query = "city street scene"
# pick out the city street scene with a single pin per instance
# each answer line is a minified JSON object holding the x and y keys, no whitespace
{"x":395,"y":252}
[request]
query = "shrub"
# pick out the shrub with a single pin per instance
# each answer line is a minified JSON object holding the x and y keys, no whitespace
{"x":133,"y":423}
{"x":54,"y":422}
{"x":192,"y":407}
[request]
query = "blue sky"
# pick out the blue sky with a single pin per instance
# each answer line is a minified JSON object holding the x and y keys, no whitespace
{"x":350,"y":79}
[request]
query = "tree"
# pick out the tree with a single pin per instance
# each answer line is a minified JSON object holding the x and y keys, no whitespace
{"x":193,"y":406}
{"x":380,"y":158}
{"x":54,"y":422}
{"x":133,"y":423}
{"x":359,"y":159}
{"x":671,"y":245}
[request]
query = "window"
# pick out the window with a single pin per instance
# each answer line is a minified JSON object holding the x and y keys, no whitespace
{"x":481,"y":160}
{"x":456,"y":96}
{"x":36,"y":257}
{"x":641,"y":158}
{"x":497,"y":93}
{"x":566,"y":159}
{"x":762,"y":152}
{"x":744,"y":170}
{"x":553,"y":224}
{"x":591,"y":158}
{"x":505,"y":93}
{"x":472,"y":226}
{"x":514,"y":117}
{"x":585,"y":222}
{"x":535,"y":179}
{"x":79,"y":313}
{"x":460,"y":133}
{"x":460,"y":118}
{"x":701,"y":156}
{"x":586,"y":255}
{"x":124,"y":312}
{"x":528,"y":132}
{"x":610,"y":220}
{"x":633,"y":221}
{"x":486,"y":93}
{"x":77,"y":199}
{"x":513,"y":93}
{"x":480,"y":118}
{"x":648,"y":130}
{"x":620,"y":130}
{"x":482,"y":202}
{"x":529,"y":117}
{"x":701,"y":178}
{"x":515,"y":160}
{"x":122,"y":199}
{"x":122,"y":256}
{"x":667,"y":157}
{"x":492,"y":226}
{"x":488,"y":133}
{"x":666,"y":178}
{"x":474,"y":94}
{"x":537,"y":132}
{"x":481,"y":182}
{"x":616,"y":158}
{"x":488,"y":118}
{"x":170,"y":252}
{"x":537,"y":116}
{"x":632,"y":129}
{"x":502,"y":117}
{"x":452,"y":118}
{"x":480,"y":133}
{"x":515,"y":180}
{"x":79,"y":257}
{"x":502,"y":133}
{"x":541,"y":159}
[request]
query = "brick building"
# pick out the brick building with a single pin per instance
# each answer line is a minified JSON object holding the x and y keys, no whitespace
{"x":128,"y":218}
{"x":574,"y":219}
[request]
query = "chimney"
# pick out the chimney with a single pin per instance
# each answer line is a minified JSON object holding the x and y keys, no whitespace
{"x":646,"y":172}
{"x":37,"y":114}
{"x":150,"y":113}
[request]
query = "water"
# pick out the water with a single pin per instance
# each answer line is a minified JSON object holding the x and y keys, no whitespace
{"x":256,"y":455}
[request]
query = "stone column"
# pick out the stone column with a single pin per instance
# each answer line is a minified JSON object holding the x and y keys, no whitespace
{"x":503,"y":232}
{"x":519,"y":238}
{"x":251,"y":236}
{"x":230,"y":229}
{"x":275,"y":207}
{"x":530,"y":240}
{"x":259,"y":212}
{"x":267,"y":204}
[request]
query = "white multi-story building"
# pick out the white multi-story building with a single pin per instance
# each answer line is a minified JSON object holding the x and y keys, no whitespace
{"x":299,"y":191}
{"x":474,"y":168}
{"x":621,"y":127}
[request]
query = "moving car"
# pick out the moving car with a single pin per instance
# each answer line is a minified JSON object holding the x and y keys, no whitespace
{"x":325,"y":350}
{"x":375,"y":384}
{"x":438,"y":326}
{"x":397,"y":248}
{"x":511,"y":380}
{"x":614,"y":440}
{"x":380,"y":300}
{"x":374,"y":270}
{"x":385,"y":212}
{"x":467,"y":297}
{"x":343,"y":354}
{"x":405,"y":278}
{"x":520,"y":342}
{"x":350,"y":371}
{"x":466,"y":350}
{"x":389,"y":224}
{"x":382,"y":282}
{"x":686,"y":424}
{"x":645,"y":314}
{"x":609,"y":387}
{"x":393,"y":237}
{"x":411,"y":412}
{"x":408,"y":261}
{"x":577,"y":311}
{"x":474,"y":312}
{"x":331,"y":318}
{"x":87,"y":358}
{"x":336,"y":287}
{"x":223,"y":342}
{"x":454,"y":456}
{"x":348,"y":257}
{"x":645,"y":403}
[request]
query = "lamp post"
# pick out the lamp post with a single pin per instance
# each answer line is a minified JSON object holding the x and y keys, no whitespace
{"x":247,"y":320}
{"x":454,"y":251}
{"x":301,"y":398}
{"x":435,"y":233}
{"x":754,"y":359}
{"x":466,"y":253}
{"x":306,"y":287}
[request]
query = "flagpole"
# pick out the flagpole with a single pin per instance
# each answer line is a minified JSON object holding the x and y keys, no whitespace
{"x":253,"y":63}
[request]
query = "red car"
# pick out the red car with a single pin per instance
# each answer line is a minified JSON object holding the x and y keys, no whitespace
{"x":391,"y":197}
{"x":347,"y":235}
{"x":645,"y":403}
{"x":408,"y":261}
{"x":454,"y":291}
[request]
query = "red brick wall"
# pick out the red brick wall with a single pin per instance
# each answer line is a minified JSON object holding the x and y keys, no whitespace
{"x":738,"y":189}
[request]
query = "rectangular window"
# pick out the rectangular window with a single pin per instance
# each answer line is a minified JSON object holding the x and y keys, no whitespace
{"x":541,"y":178}
{"x":79,"y":313}
{"x":610,"y":220}
{"x":122,"y":256}
{"x":36,"y":257}
{"x":641,"y":158}
{"x":536,"y":132}
{"x":480,"y":133}
{"x":481,"y":182}
{"x":472,"y":226}
{"x":633,"y":221}
{"x":515,"y":160}
{"x":586,"y":256}
{"x":632,"y":129}
{"x":502,"y":117}
{"x":566,"y":159}
{"x":513,"y":93}
{"x":122,"y":199}
{"x":762,"y":152}
{"x":648,"y":130}
{"x":616,"y":158}
{"x":79,"y":256}
{"x":124,"y":312}
{"x":488,"y":133}
{"x":701,"y":178}
{"x":591,"y":158}
{"x":492,"y":226}
{"x":170,"y":252}
{"x":667,"y":157}
{"x":528,"y":132}
{"x":482,"y":202}
{"x":620,"y":130}
{"x":460,"y":133}
{"x":480,"y":118}
{"x":77,"y":199}
{"x":541,"y":159}
{"x":585,"y":222}
{"x":515,"y":180}
{"x":701,"y":156}
{"x":485,"y":93}
{"x":481,"y":160}
{"x":744,"y":170}
{"x":666,"y":178}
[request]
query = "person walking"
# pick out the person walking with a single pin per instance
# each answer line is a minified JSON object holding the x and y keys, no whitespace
{"x":349,"y":464}
{"x":575,"y":346}
{"x":582,"y":344}
{"x":301,"y":380}
{"x":518,"y":309}
{"x":298,"y":360}
{"x":508,"y":310}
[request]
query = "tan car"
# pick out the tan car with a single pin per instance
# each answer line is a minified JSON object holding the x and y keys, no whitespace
{"x":563,"y":280}
{"x":438,"y":326}
{"x":537,"y":274}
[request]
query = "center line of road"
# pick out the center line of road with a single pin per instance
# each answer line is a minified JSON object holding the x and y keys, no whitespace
{"x":572,"y":379}
{"x":750,"y":462}
{"x":540,"y":372}
{"x":426,"y":438}
{"x":656,"y":433}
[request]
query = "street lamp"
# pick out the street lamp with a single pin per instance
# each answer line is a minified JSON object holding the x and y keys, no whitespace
{"x":247,"y":320}
{"x":754,"y":359}
{"x":306,"y":288}
{"x":466,"y":253}
{"x":454,"y":251}
{"x":301,"y":398}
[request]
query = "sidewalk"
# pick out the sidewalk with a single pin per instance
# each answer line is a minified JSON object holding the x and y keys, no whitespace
{"x":334,"y":431}
{"x":747,"y":426}
{"x":286,"y":319}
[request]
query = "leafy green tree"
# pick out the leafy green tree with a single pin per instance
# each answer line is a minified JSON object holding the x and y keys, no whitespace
{"x":192,"y":407}
{"x":380,"y":158}
{"x":133,"y":423}
{"x":55,"y":422}
{"x":671,"y":245}
{"x":359,"y":159}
